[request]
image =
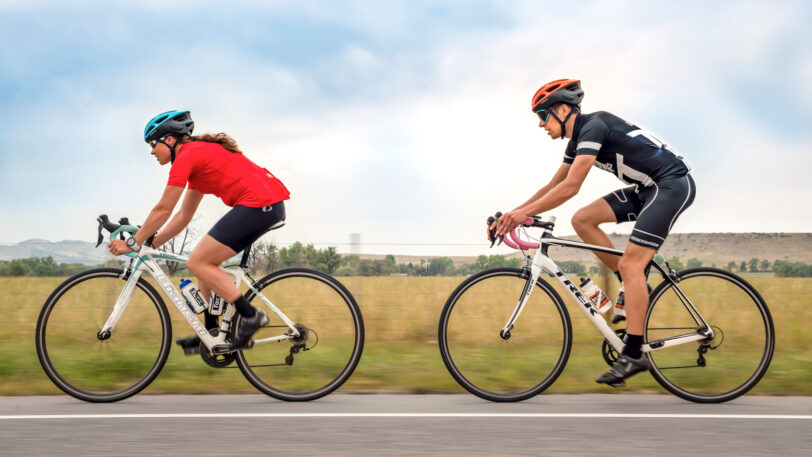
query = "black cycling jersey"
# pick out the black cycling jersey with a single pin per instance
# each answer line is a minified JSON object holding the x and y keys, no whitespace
{"x":632,"y":154}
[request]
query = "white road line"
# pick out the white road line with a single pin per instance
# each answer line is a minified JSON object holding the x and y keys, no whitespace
{"x":408,"y":415}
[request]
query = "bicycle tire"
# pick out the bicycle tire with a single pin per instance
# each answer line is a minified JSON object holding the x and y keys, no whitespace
{"x":95,"y":370}
{"x":323,"y":305}
{"x":464,"y":354}
{"x":725,"y":301}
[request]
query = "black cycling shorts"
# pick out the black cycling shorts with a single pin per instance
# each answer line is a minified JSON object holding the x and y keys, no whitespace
{"x":655,"y":208}
{"x":241,"y":226}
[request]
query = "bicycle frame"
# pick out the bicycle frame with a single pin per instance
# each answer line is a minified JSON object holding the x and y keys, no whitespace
{"x":541,"y":262}
{"x":146,"y":262}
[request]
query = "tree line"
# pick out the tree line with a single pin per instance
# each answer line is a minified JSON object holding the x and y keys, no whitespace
{"x":266,"y":258}
{"x":39,"y":266}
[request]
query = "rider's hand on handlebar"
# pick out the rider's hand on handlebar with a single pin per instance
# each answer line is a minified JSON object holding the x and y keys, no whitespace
{"x":509,"y":221}
{"x":118,"y":247}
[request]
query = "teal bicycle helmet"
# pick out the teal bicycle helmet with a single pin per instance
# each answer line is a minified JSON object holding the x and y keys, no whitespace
{"x":175,"y":121}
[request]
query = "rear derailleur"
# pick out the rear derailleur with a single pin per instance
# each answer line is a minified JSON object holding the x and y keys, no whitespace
{"x":300,"y":342}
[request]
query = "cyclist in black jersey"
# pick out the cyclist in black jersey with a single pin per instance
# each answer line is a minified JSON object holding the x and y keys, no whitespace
{"x":661,"y":188}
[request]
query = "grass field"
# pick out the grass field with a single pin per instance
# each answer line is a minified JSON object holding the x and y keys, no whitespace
{"x":401,"y":354}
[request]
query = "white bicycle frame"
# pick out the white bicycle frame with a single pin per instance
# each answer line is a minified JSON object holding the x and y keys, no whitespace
{"x":146,"y":263}
{"x":540,"y":262}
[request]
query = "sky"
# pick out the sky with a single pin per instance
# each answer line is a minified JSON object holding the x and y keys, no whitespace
{"x":406,"y":122}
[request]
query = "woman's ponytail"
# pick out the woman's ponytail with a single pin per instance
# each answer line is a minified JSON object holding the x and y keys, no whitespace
{"x":220,"y":138}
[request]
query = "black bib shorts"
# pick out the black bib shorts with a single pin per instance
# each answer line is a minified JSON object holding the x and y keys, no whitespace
{"x":243,"y":225}
{"x":654,"y":208}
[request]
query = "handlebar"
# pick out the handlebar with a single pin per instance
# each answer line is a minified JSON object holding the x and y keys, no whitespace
{"x":521,"y":244}
{"x":119,"y":229}
{"x":518,"y":243}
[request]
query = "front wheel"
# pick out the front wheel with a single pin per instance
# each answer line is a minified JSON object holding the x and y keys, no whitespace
{"x":330,"y":344}
{"x":734,"y":360}
{"x":510,"y":366}
{"x":107,"y":368}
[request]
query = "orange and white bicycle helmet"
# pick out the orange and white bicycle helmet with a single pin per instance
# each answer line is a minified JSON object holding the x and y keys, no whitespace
{"x":559,"y":91}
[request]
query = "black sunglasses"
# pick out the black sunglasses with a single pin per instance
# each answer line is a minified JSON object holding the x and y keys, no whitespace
{"x":543,"y":114}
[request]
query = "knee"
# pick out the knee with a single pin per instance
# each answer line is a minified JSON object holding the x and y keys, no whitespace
{"x":630,"y":268}
{"x":581,"y":221}
{"x":194,"y":264}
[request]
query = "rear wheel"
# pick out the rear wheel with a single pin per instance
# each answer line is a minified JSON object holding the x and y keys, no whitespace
{"x":331,"y":337}
{"x":103,"y":368}
{"x":729,"y":365}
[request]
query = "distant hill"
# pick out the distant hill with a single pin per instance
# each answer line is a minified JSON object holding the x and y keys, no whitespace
{"x":66,"y":251}
{"x":710,"y":248}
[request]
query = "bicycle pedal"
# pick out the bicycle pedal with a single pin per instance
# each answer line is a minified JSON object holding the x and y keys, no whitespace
{"x":190,"y":345}
{"x":620,"y":383}
{"x":191,"y":351}
{"x":616,"y":319}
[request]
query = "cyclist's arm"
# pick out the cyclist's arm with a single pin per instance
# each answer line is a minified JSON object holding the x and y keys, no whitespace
{"x":159,"y":214}
{"x":564,"y":190}
{"x":559,"y":194}
{"x":559,"y":176}
{"x":181,"y":219}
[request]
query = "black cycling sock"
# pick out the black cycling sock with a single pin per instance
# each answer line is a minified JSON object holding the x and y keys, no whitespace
{"x":634,"y":346}
{"x":211,"y":321}
{"x":244,"y":308}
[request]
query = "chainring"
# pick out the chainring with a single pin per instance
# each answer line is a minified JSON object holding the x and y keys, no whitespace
{"x":609,"y":353}
{"x":217,"y":360}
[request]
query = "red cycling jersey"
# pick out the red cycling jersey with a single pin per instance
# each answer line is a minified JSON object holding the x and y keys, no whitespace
{"x":212,"y":169}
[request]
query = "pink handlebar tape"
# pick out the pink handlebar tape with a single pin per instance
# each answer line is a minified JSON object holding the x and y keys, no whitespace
{"x":519,"y":242}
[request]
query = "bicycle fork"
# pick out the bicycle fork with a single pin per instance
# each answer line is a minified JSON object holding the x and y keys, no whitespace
{"x":532,"y":274}
{"x":121,"y":304}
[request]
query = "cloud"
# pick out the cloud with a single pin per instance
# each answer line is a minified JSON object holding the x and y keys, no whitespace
{"x":404,"y":138}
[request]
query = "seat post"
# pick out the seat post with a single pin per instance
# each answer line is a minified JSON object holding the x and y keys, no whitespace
{"x":245,"y":254}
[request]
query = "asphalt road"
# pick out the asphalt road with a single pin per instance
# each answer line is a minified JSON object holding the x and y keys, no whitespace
{"x":405,"y":425}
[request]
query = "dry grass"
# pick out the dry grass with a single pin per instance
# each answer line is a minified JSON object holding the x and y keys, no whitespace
{"x":401,"y":355}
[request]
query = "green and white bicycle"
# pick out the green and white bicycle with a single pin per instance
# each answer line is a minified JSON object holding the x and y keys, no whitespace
{"x":104,"y":334}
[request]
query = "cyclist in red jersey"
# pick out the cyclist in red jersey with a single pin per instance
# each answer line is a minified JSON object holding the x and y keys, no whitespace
{"x":210,"y":164}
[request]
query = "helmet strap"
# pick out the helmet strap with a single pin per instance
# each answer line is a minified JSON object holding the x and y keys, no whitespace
{"x":172,"y":148}
{"x":564,"y":122}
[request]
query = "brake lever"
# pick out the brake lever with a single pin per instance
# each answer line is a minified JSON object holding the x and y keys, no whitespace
{"x":125,"y":221}
{"x":492,"y":232}
{"x":101,"y":238}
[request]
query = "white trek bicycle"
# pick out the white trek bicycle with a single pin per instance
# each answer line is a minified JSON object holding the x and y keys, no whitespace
{"x":505,"y":334}
{"x":104,"y":334}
